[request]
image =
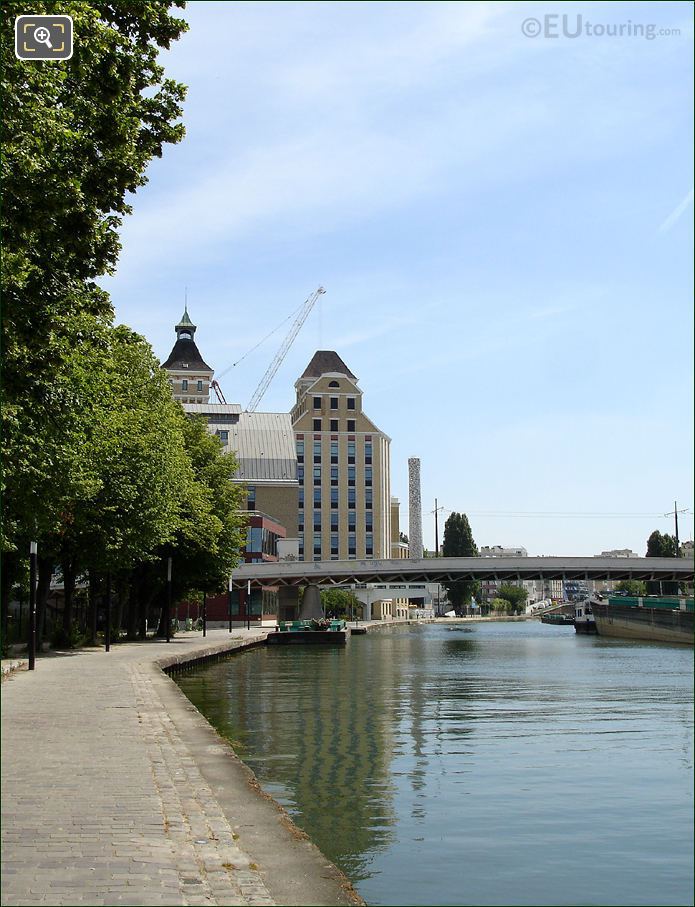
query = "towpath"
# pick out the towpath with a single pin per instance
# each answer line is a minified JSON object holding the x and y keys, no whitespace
{"x":116,"y":791}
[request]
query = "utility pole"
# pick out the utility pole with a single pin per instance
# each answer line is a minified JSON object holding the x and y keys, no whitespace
{"x":674,"y":513}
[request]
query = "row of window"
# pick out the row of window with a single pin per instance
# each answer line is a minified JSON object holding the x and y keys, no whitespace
{"x":318,"y":425}
{"x":317,"y":452}
{"x":368,"y":522}
{"x":352,"y":550}
{"x":334,"y":402}
{"x":184,"y":385}
{"x":351,"y":498}
{"x":368,"y":473}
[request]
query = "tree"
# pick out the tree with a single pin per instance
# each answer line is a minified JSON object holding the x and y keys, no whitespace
{"x":458,"y":542}
{"x":341,"y":602}
{"x":515,"y":595}
{"x":633,"y":587}
{"x":661,"y":545}
{"x":77,"y":138}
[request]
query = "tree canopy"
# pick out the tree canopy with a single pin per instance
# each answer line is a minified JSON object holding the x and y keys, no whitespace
{"x":102,"y":467}
{"x":458,"y":542}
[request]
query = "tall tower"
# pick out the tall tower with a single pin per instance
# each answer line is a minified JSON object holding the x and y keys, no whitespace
{"x":414,"y":508}
{"x":344,"y":465}
{"x":189,"y":374}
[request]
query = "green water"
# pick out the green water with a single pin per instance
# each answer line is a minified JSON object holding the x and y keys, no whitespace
{"x":514,"y":764}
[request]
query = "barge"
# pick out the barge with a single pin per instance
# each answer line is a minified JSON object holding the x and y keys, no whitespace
{"x":654,"y":618}
{"x":316,"y":631}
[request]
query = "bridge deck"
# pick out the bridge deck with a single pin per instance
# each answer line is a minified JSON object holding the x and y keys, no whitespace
{"x":445,"y":569}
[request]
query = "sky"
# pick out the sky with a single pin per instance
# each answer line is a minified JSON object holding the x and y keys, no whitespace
{"x":503,"y":226}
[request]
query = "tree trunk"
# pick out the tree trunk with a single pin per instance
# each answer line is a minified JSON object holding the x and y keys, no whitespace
{"x":92,"y":608}
{"x":43,"y":589}
{"x":9,"y":573}
{"x":120,"y":601}
{"x":68,"y":567}
{"x":133,"y":598}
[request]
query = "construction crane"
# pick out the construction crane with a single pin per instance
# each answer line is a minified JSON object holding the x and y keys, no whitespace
{"x":282,"y":352}
{"x":218,"y":391}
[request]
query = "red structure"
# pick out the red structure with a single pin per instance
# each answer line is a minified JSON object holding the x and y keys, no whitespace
{"x":261,"y":545}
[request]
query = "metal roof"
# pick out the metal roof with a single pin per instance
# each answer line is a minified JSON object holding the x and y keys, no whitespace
{"x":265,"y":447}
{"x":212,"y":409}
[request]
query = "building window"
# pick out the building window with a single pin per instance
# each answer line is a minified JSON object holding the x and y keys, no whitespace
{"x":368,"y":476}
{"x":368,"y":453}
{"x":351,"y":498}
{"x":199,"y":386}
{"x":251,"y":497}
{"x":317,"y":521}
{"x":333,"y":384}
{"x":350,"y":402}
{"x":351,"y":451}
{"x":317,"y":496}
{"x":368,"y":522}
{"x":352,"y":543}
{"x":367,"y":498}
{"x":350,"y":424}
{"x":301,"y":498}
{"x":300,"y":475}
{"x":301,"y":551}
{"x":334,"y":475}
{"x":334,"y":425}
{"x":334,"y":522}
{"x":351,"y":521}
{"x":334,"y":542}
{"x":317,"y":475}
{"x":317,"y":451}
{"x":317,"y":425}
{"x":334,"y":403}
{"x":334,"y":451}
{"x":184,"y":384}
{"x":317,"y":543}
{"x":334,"y":498}
{"x":300,"y":523}
{"x":369,"y":541}
{"x":351,"y":475}
{"x":300,"y":451}
{"x":223,"y":436}
{"x":317,"y":403}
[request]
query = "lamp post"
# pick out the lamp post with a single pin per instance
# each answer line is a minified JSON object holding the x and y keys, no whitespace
{"x":33,"y":547}
{"x":229,"y":603}
{"x":248,"y":604}
{"x":168,"y":608}
{"x":205,"y":614}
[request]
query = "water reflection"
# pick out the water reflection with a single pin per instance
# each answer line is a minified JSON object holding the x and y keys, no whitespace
{"x":486,"y":768}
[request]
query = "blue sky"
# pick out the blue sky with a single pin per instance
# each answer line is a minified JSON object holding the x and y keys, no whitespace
{"x":503,"y":226}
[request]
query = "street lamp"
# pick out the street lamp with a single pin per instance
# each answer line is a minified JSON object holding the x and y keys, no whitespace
{"x":229,"y":603}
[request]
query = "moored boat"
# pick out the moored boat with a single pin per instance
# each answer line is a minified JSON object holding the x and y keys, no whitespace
{"x":319,"y":631}
{"x":557,"y":619}
{"x":654,"y":618}
{"x":584,"y":617}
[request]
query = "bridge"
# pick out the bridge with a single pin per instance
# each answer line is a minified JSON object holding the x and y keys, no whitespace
{"x":446,"y":569}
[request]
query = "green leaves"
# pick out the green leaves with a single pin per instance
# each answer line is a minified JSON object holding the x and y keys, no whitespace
{"x":458,"y":542}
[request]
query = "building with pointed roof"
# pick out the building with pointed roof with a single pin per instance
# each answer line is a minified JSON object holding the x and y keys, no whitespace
{"x":343,"y":465}
{"x":189,"y":374}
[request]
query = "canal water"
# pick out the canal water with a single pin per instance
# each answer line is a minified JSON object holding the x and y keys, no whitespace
{"x":510,"y":763}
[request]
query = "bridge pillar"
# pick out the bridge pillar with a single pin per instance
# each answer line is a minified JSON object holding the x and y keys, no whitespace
{"x":311,"y":604}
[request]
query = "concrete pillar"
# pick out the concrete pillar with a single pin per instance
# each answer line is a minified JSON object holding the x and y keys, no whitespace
{"x":311,"y":604}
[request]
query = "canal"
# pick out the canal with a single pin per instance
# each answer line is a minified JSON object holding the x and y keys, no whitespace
{"x":500,"y":764}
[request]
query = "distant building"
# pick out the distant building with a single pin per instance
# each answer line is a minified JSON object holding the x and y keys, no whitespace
{"x":343,"y":467}
{"x":189,"y":374}
{"x":606,"y":585}
{"x":264,"y":446}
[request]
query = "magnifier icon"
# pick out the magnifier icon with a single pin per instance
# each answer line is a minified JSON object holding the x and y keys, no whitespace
{"x":43,"y":36}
